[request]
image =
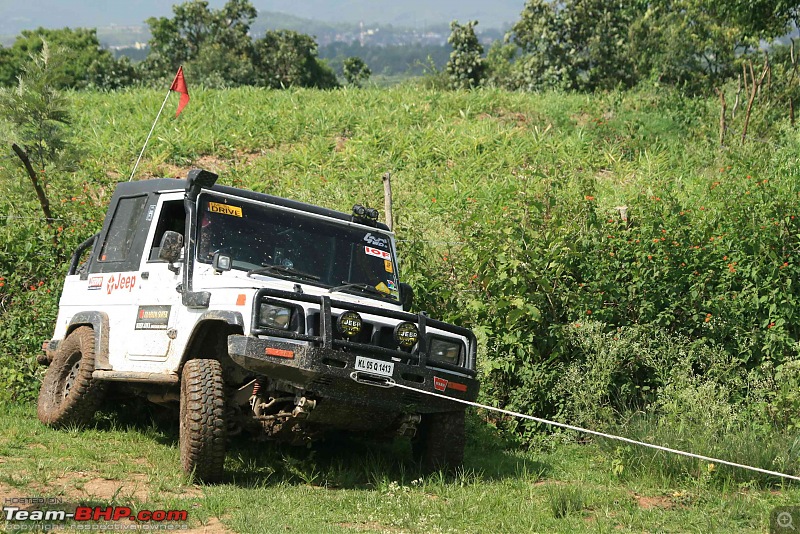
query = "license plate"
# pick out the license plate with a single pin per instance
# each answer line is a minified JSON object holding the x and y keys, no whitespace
{"x":377,"y":367}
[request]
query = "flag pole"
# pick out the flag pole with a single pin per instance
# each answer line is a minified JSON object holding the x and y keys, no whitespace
{"x":152,"y":128}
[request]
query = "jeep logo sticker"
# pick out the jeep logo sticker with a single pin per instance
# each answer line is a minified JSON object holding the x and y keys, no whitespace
{"x":224,"y":209}
{"x":376,"y":241}
{"x":120,"y":282}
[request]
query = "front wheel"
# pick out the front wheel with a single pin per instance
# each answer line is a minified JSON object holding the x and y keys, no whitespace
{"x":202,"y":420}
{"x":439,"y":443}
{"x":69,"y":395}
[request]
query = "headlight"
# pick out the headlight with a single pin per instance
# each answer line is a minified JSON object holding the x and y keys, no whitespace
{"x":349,"y":324}
{"x":406,"y":334}
{"x":272,"y":316}
{"x":444,"y":350}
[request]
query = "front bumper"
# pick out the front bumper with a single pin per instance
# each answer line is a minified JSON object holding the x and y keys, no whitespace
{"x":331,"y":373}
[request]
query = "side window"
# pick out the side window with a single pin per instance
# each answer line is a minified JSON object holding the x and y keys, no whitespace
{"x":173,"y":217}
{"x":123,"y":228}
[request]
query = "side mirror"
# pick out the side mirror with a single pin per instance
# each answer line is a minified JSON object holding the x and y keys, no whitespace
{"x":221,"y":262}
{"x":406,"y":296}
{"x":171,"y":246}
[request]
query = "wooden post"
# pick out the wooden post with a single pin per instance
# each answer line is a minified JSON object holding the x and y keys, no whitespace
{"x":387,"y":199}
{"x":755,"y":87}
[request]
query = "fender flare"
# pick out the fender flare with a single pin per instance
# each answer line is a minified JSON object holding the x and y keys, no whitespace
{"x":232,"y":319}
{"x":99,"y":322}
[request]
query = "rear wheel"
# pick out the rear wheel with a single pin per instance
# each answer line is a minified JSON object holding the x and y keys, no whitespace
{"x":69,"y":395}
{"x":202,"y":420}
{"x":439,"y":443}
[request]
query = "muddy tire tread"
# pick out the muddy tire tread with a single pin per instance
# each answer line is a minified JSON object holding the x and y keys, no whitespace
{"x":202,"y":424}
{"x":86,"y":394}
{"x":439,"y":444}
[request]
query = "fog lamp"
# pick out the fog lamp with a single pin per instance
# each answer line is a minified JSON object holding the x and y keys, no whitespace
{"x":349,"y":324}
{"x":406,"y":334}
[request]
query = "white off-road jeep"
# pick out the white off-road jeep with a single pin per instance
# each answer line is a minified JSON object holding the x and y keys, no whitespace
{"x":253,"y":313}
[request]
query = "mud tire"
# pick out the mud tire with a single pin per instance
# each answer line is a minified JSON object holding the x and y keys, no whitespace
{"x":439,"y":443}
{"x":202,"y":420}
{"x":69,"y":396}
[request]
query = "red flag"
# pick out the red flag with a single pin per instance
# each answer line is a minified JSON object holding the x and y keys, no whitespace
{"x":179,"y":86}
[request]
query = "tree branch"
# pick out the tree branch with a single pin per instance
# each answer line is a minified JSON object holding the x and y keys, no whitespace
{"x":43,"y":202}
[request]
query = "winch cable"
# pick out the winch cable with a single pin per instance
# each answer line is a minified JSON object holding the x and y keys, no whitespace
{"x":601,"y":434}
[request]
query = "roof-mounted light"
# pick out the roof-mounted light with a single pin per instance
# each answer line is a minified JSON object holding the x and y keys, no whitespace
{"x":365,"y":215}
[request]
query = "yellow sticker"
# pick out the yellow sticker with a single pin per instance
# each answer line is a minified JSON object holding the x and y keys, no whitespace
{"x":382,"y":288}
{"x":387,"y":264}
{"x":215,"y":207}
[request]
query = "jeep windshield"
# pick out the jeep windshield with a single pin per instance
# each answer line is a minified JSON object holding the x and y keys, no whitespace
{"x":269,"y":241}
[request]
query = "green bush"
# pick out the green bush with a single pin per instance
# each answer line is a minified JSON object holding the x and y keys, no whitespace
{"x":604,"y":248}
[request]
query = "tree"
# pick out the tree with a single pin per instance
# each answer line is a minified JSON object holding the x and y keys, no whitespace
{"x":586,"y":45}
{"x":757,"y":19}
{"x":85,"y":63}
{"x":38,"y":115}
{"x":465,"y":68}
{"x":216,"y":47}
{"x":356,"y":71}
{"x":285,"y":58}
{"x":214,"y":43}
{"x":575,"y":45}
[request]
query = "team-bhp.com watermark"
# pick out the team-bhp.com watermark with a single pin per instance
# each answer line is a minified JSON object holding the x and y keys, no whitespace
{"x":37,"y":513}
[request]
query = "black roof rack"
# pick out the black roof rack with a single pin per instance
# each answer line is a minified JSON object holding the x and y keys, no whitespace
{"x":162,"y":185}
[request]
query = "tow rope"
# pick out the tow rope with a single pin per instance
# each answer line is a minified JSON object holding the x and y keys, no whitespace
{"x":601,"y":434}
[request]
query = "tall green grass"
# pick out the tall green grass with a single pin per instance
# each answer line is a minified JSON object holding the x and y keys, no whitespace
{"x":508,"y":215}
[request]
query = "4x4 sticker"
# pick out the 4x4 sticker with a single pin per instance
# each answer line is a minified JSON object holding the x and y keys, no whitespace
{"x":216,"y":207}
{"x":96,"y":282}
{"x":152,"y":318}
{"x":120,"y":282}
{"x":377,"y":253}
{"x":376,"y":241}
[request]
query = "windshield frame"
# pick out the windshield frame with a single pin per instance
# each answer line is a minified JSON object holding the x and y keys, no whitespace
{"x":347,"y":226}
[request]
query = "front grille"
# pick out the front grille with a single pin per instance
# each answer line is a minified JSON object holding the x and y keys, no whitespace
{"x":365,"y":336}
{"x":374,"y":339}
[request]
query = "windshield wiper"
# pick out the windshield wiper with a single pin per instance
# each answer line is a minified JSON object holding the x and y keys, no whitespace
{"x":366,"y":288}
{"x":282,"y":270}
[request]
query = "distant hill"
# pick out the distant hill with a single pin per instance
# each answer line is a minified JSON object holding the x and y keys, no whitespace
{"x":415,"y":14}
{"x":16,"y":16}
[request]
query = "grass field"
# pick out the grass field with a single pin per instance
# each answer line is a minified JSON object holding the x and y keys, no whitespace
{"x":507,"y":218}
{"x":354,"y":486}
